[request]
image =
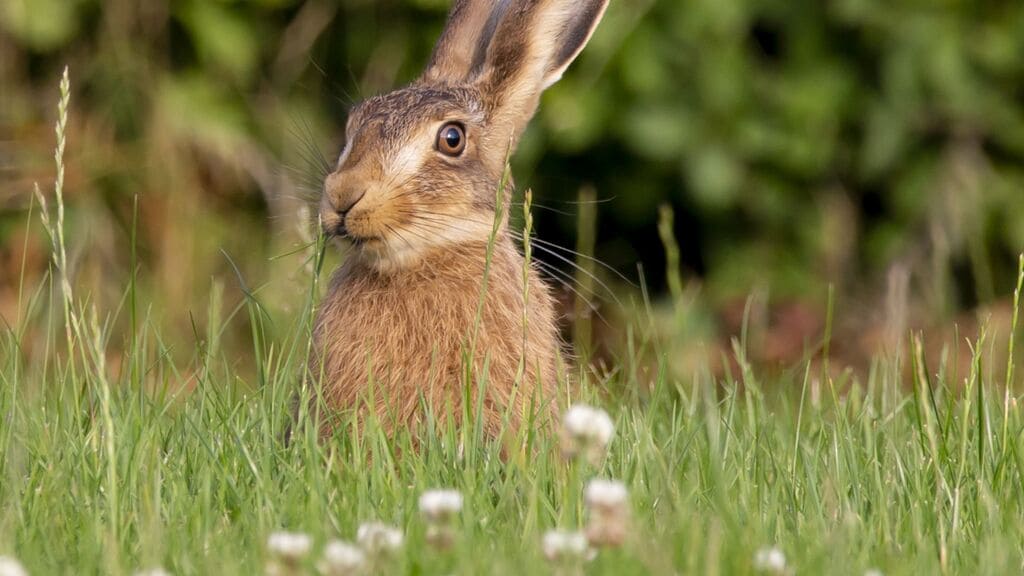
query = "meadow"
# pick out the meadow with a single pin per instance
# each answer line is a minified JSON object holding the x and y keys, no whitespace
{"x":121,"y":452}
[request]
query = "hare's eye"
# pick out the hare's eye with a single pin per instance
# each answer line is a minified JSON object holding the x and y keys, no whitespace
{"x":451,"y":139}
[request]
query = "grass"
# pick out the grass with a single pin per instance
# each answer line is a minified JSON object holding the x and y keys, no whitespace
{"x":115,"y":462}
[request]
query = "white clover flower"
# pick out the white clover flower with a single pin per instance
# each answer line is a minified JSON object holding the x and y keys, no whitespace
{"x":440,"y":506}
{"x":873,"y":572}
{"x":378,"y":539}
{"x":342,"y":559}
{"x":11,"y":567}
{"x":560,"y":546}
{"x":589,"y":424}
{"x":602,"y":494}
{"x":770,"y":560}
{"x":289,"y":546}
{"x":608,"y":505}
{"x":586,"y":430}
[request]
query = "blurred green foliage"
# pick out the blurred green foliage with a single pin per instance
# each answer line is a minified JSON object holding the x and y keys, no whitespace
{"x":801,"y":142}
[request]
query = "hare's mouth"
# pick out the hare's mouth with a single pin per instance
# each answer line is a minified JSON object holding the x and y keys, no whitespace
{"x":362,"y":241}
{"x":359,"y":241}
{"x":341,"y":232}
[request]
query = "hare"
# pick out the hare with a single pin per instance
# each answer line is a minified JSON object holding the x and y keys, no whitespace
{"x":432,"y":306}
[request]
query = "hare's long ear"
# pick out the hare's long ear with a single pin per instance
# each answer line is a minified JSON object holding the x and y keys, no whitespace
{"x":463,"y":44}
{"x":532,"y":45}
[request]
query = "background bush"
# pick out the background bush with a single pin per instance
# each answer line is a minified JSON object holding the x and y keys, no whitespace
{"x":802,"y":143}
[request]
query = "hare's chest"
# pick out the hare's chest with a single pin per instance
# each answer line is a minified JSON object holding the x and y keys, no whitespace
{"x":401,"y":325}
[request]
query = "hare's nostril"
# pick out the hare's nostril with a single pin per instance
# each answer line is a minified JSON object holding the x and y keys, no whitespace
{"x":344,"y":205}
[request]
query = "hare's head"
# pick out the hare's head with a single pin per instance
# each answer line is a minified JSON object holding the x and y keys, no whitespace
{"x":422,"y":165}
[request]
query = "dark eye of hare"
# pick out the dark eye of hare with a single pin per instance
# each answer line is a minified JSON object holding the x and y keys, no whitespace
{"x":451,"y":139}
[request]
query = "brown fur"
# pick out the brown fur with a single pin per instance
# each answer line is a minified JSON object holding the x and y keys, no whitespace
{"x":411,"y":329}
{"x":403,"y":319}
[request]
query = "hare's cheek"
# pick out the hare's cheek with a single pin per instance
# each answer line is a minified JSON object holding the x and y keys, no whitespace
{"x":401,"y":210}
{"x":360,"y":224}
{"x":371,"y":220}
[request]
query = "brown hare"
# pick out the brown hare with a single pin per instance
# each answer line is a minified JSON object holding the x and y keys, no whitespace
{"x":432,"y":306}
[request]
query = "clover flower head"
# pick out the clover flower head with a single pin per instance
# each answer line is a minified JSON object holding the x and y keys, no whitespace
{"x":378,"y":539}
{"x":291,"y":546}
{"x":440,"y":506}
{"x":606,"y":495}
{"x":11,"y":567}
{"x":561,"y":546}
{"x":586,"y":430}
{"x":608,"y":508}
{"x":342,"y":559}
{"x":770,"y":560}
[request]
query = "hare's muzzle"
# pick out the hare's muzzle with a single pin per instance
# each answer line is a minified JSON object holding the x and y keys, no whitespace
{"x":339,"y":197}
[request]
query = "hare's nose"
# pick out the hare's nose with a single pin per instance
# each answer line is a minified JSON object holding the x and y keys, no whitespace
{"x":345,"y":202}
{"x":341,"y":194}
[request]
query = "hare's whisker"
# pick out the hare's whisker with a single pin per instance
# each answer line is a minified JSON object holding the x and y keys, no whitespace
{"x":441,"y":225}
{"x":553,"y":245}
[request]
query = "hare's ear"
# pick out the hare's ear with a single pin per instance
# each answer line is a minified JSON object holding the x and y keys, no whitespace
{"x":463,"y":44}
{"x":532,"y":45}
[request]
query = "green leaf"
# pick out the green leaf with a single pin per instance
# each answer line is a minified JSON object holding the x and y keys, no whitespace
{"x":42,"y":25}
{"x":222,"y":37}
{"x":660,"y":132}
{"x":199,"y":110}
{"x":885,"y":139}
{"x":714,"y":175}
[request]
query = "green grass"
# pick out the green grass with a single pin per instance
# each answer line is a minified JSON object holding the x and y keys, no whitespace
{"x":105,"y":477}
{"x":117,"y":461}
